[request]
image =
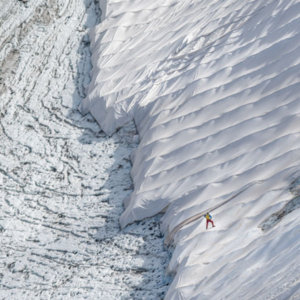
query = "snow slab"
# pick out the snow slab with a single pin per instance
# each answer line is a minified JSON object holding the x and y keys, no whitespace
{"x":213,"y":88}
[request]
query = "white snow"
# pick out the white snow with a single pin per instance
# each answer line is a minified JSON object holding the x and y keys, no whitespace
{"x":213,"y":88}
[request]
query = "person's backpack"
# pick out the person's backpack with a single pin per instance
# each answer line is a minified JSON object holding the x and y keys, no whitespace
{"x":209,"y":216}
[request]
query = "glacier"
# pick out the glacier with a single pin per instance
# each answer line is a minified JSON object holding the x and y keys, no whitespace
{"x":62,"y":180}
{"x":213,"y":89}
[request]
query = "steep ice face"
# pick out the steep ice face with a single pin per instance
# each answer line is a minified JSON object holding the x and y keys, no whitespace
{"x":213,"y":88}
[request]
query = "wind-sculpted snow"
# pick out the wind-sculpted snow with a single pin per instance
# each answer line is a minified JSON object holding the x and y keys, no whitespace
{"x":213,"y":88}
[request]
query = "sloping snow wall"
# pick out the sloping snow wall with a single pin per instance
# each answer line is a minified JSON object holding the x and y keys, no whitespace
{"x":213,"y":88}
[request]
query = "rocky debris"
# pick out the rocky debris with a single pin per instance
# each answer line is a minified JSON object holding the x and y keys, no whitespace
{"x":290,"y":206}
{"x":295,"y":187}
{"x":278,"y":216}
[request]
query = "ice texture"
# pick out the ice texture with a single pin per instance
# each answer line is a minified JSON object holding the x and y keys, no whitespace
{"x":62,"y":180}
{"x":213,"y":88}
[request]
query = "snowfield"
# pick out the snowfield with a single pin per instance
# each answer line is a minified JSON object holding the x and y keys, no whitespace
{"x":213,"y":88}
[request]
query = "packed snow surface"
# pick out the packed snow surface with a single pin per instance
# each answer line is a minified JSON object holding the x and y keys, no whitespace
{"x":213,"y":88}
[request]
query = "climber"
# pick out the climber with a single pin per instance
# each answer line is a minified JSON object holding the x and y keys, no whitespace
{"x":208,"y":218}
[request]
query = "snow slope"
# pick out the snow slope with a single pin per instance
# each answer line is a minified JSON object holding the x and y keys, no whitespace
{"x":213,"y":88}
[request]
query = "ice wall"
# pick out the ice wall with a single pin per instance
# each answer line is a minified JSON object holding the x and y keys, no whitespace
{"x":213,"y":87}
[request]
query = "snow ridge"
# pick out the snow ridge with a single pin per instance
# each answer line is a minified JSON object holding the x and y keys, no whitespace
{"x":213,"y":88}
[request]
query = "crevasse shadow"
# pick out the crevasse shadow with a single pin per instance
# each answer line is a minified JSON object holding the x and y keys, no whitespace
{"x":137,"y":256}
